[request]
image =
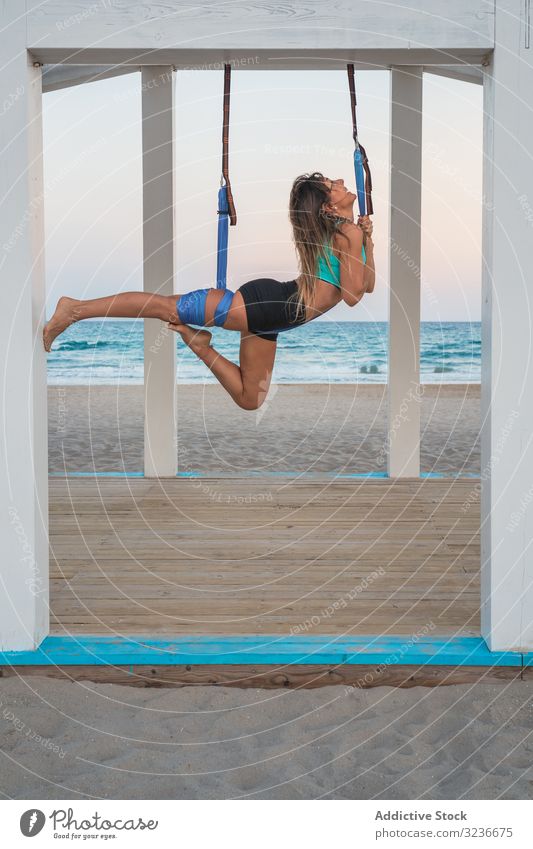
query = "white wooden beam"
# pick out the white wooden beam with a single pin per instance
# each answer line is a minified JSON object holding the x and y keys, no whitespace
{"x":316,"y":34}
{"x":507,"y":314}
{"x":160,"y":436}
{"x":56,"y":77}
{"x":271,"y":59}
{"x":464,"y":73}
{"x":260,"y":59}
{"x":24,"y":606}
{"x":404,"y":291}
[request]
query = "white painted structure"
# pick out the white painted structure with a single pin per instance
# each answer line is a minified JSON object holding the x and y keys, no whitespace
{"x":481,"y":41}
{"x":404,"y":293}
{"x":158,"y":84}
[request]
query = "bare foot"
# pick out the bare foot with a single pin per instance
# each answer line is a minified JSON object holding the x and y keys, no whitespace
{"x":63,"y":317}
{"x":197,"y":340}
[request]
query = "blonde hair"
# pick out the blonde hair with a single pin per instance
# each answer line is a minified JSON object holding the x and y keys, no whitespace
{"x":313,"y":229}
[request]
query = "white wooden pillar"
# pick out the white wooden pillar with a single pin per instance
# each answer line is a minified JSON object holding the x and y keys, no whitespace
{"x":507,"y":336}
{"x":160,"y":435}
{"x":23,"y":447}
{"x":404,"y":296}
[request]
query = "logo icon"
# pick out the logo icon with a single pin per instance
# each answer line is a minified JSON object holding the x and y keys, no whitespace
{"x":32,"y":822}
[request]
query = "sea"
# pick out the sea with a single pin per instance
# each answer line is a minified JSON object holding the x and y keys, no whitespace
{"x":110,"y":351}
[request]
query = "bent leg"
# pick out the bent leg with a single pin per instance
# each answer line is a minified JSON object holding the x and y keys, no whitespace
{"x":249,"y":382}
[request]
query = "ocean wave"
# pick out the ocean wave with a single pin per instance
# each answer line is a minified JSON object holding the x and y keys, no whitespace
{"x":83,"y":345}
{"x":320,"y":352}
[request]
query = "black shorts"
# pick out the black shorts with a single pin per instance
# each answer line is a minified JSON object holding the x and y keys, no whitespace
{"x":271,"y":306}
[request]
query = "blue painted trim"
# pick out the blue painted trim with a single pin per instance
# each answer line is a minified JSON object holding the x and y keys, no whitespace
{"x":253,"y":474}
{"x":272,"y":650}
{"x":96,"y":474}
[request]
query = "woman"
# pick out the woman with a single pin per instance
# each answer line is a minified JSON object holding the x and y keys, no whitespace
{"x":336,"y":262}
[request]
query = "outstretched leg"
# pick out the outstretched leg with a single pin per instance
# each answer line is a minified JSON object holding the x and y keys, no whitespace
{"x":125,"y":305}
{"x":134,"y":305}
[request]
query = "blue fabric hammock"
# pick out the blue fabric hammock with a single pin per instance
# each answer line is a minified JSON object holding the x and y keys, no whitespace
{"x":359,"y":179}
{"x":223,"y":228}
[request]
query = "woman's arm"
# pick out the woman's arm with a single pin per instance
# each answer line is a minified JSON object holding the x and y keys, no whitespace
{"x":354,"y":277}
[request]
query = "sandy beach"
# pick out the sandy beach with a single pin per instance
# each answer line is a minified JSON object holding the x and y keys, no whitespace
{"x":108,"y":741}
{"x":303,"y":428}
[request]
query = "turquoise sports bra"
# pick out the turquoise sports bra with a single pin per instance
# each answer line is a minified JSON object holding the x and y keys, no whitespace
{"x":323,"y":272}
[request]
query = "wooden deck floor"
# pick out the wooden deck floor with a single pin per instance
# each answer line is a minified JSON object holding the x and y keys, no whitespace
{"x":256,"y":556}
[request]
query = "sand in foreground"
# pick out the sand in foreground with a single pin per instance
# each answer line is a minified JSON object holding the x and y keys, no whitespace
{"x":303,"y":428}
{"x":455,"y":742}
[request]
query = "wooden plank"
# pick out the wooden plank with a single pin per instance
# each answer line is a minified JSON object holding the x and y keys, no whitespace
{"x":159,"y":626}
{"x":273,"y":677}
{"x":139,"y":562}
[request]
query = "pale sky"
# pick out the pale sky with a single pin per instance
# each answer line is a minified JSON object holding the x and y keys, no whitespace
{"x":282,"y":124}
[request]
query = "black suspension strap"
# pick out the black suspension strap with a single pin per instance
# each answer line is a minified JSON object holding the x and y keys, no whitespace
{"x":363,"y":177}
{"x":225,"y":144}
{"x":226,"y":207}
